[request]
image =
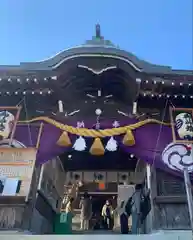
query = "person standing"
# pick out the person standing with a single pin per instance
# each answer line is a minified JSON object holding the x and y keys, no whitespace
{"x":86,"y":211}
{"x":123,"y":217}
{"x":68,"y":216}
{"x":145,"y":206}
{"x":136,"y":211}
{"x":107,"y":214}
{"x":69,"y":207}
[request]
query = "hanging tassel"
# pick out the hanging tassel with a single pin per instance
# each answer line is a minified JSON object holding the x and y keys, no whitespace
{"x":111,"y":145}
{"x":97,"y":147}
{"x":64,"y":140}
{"x":129,"y":139}
{"x":80,"y":144}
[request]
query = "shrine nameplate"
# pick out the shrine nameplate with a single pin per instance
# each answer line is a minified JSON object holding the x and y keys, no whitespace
{"x":17,"y":164}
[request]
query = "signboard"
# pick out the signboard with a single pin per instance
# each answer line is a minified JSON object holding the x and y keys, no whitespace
{"x":17,"y":164}
{"x":63,"y":217}
{"x":101,"y":186}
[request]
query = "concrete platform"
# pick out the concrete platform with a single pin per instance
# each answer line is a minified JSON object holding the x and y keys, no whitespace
{"x":178,"y":235}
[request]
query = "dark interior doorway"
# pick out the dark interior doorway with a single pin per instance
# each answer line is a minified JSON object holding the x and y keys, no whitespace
{"x":98,"y":201}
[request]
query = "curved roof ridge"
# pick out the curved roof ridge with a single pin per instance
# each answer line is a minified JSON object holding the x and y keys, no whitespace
{"x":95,"y":49}
{"x":62,"y":52}
{"x":55,"y":55}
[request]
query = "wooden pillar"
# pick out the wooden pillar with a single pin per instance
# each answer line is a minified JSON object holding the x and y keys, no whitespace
{"x":152,"y":186}
{"x":41,"y":176}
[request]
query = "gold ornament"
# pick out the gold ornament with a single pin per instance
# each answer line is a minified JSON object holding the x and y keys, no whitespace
{"x":64,"y":140}
{"x":97,"y":147}
{"x":129,"y":139}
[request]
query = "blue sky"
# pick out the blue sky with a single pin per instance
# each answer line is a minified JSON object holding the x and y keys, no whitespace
{"x":159,"y":31}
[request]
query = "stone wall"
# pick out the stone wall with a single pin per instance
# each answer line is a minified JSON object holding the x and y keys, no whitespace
{"x":172,"y":216}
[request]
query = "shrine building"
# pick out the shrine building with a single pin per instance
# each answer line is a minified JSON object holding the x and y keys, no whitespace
{"x":98,"y":117}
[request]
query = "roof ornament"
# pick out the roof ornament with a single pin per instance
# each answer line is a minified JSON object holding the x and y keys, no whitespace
{"x":98,"y":39}
{"x":98,"y":31}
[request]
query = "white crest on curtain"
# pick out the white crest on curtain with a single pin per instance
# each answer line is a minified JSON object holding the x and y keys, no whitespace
{"x":112,"y":145}
{"x":177,"y":156}
{"x":80,"y":144}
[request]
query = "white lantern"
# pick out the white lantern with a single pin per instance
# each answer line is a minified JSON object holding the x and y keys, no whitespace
{"x":184,"y":125}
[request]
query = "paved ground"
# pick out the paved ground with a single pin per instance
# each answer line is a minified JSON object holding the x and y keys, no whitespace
{"x":160,"y":235}
{"x":75,"y":232}
{"x":97,"y":232}
{"x":76,"y":227}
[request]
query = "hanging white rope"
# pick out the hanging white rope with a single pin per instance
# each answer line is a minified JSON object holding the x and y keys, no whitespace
{"x":160,"y":131}
{"x":80,"y":144}
{"x":20,"y":102}
{"x":112,"y":145}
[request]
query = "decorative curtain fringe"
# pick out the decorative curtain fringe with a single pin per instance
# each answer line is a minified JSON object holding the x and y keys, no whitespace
{"x":97,"y":148}
{"x":80,"y":144}
{"x":129,"y":139}
{"x":64,"y":140}
{"x":112,"y":145}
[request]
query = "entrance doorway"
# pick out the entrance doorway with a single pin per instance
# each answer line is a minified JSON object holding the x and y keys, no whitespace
{"x":98,"y":201}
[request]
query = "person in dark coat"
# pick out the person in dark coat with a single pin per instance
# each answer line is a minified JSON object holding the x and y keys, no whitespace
{"x":136,"y":209}
{"x":123,"y":219}
{"x":145,"y":205}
